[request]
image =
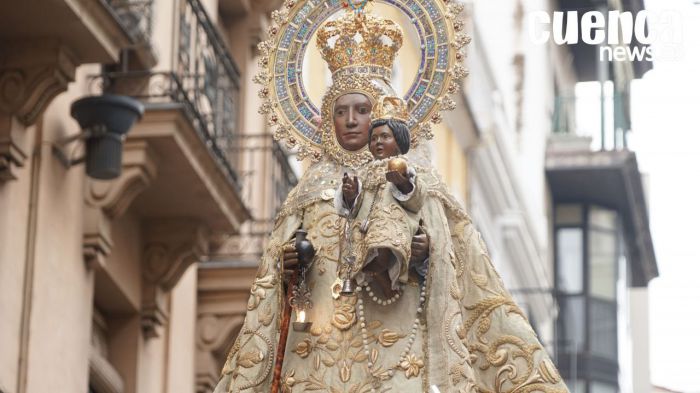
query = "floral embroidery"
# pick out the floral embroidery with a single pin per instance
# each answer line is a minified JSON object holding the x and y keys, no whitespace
{"x":263,"y":282}
{"x":412,"y":366}
{"x":344,"y":315}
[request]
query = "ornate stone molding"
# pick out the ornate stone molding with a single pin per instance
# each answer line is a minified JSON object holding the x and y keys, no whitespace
{"x":13,"y":149}
{"x":214,"y":337}
{"x":31,"y":74}
{"x":171,"y":246}
{"x":97,"y":239}
{"x":138,"y":172}
{"x":222,"y":294}
{"x":106,"y":200}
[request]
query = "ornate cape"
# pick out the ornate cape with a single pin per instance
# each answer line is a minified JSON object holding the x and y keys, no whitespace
{"x":472,"y":338}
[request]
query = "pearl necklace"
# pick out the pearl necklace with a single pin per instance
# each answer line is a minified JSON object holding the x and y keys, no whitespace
{"x":382,"y":302}
{"x":365,"y":334}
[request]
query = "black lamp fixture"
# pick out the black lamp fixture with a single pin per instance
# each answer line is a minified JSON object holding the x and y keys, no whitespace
{"x":105,"y":120}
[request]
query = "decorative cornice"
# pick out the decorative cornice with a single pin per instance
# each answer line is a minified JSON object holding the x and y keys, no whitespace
{"x":32,"y":73}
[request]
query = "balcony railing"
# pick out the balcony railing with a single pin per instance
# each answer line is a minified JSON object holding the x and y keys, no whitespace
{"x":267,"y":178}
{"x":166,"y":89}
{"x":204,"y":81}
{"x":605,"y":120}
{"x":265,"y":170}
{"x":135,"y":16}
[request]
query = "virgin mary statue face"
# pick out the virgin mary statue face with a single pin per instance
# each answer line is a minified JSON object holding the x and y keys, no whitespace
{"x":351,"y":120}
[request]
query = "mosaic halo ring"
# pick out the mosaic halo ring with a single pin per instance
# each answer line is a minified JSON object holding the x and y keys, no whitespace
{"x":287,"y":102}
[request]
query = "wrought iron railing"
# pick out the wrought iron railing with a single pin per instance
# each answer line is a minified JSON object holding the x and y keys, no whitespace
{"x":267,"y":174}
{"x":162,"y":89}
{"x":267,"y":178}
{"x":204,"y":81}
{"x":605,"y":120}
{"x":135,"y":16}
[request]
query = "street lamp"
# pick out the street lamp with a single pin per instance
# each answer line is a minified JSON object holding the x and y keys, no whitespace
{"x":104,"y":121}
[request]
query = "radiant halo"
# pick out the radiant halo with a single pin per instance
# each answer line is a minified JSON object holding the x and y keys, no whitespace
{"x":287,"y":99}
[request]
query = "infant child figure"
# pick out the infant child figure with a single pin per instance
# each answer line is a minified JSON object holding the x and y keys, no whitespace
{"x":383,"y":204}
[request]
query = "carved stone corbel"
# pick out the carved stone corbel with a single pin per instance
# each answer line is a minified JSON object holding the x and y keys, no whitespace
{"x":171,"y":246}
{"x":106,"y":200}
{"x":222,"y":300}
{"x":138,"y":171}
{"x":214,"y":336}
{"x":13,"y":149}
{"x":32,"y":73}
{"x":97,"y":238}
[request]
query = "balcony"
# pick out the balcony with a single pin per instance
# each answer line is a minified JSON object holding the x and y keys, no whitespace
{"x":41,"y":45}
{"x":239,"y":8}
{"x":190,"y":125}
{"x":136,"y":18}
{"x":588,"y":161}
{"x":267,"y":177}
{"x":224,"y":281}
{"x":602,"y":120}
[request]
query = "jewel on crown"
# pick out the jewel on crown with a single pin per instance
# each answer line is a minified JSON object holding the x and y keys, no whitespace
{"x":360,"y":43}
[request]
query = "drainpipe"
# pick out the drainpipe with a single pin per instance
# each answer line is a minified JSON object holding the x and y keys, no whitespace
{"x":30,"y":253}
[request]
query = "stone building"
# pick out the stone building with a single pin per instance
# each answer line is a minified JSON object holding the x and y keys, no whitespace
{"x":99,"y":282}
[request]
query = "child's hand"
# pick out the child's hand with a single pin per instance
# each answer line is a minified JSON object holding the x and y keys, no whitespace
{"x":350,"y":189}
{"x":400,"y":181}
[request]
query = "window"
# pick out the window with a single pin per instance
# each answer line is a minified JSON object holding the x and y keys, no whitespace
{"x":603,"y":218}
{"x":570,"y":260}
{"x":603,"y":326}
{"x":603,"y":258}
{"x":572,"y":323}
{"x":587,"y":256}
{"x":569,"y":215}
{"x":601,"y":387}
{"x":576,"y":386}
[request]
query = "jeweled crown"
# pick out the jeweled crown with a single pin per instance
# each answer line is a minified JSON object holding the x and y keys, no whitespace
{"x":390,"y":108}
{"x":360,"y":43}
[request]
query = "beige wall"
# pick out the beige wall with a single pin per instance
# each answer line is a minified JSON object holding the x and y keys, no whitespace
{"x":14,"y":205}
{"x":45,"y":244}
{"x":90,"y":292}
{"x":181,"y":354}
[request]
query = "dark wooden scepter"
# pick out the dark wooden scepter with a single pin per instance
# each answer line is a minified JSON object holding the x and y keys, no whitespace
{"x":305,"y":252}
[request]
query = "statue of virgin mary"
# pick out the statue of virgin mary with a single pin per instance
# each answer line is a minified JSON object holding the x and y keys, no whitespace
{"x":453,"y":328}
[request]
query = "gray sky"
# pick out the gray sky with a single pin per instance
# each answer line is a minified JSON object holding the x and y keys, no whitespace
{"x":666,"y":136}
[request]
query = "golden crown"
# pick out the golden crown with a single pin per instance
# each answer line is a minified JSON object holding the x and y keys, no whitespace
{"x":364,"y":44}
{"x":390,"y":107}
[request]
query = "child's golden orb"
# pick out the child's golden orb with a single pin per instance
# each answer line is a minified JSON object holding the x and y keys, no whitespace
{"x":399,"y":165}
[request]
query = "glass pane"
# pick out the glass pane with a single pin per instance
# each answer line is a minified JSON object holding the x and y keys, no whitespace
{"x":568,"y":215}
{"x":602,"y":218}
{"x":601,"y":387}
{"x":570,"y":260}
{"x":571,"y":324}
{"x":603,"y":264}
{"x":577,"y":386}
{"x":604,"y":328}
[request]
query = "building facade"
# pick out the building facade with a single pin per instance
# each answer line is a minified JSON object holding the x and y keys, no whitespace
{"x":602,"y":251}
{"x":140,"y":284}
{"x":99,"y":279}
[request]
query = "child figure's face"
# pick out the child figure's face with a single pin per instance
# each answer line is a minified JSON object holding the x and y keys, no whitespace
{"x":382,"y":143}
